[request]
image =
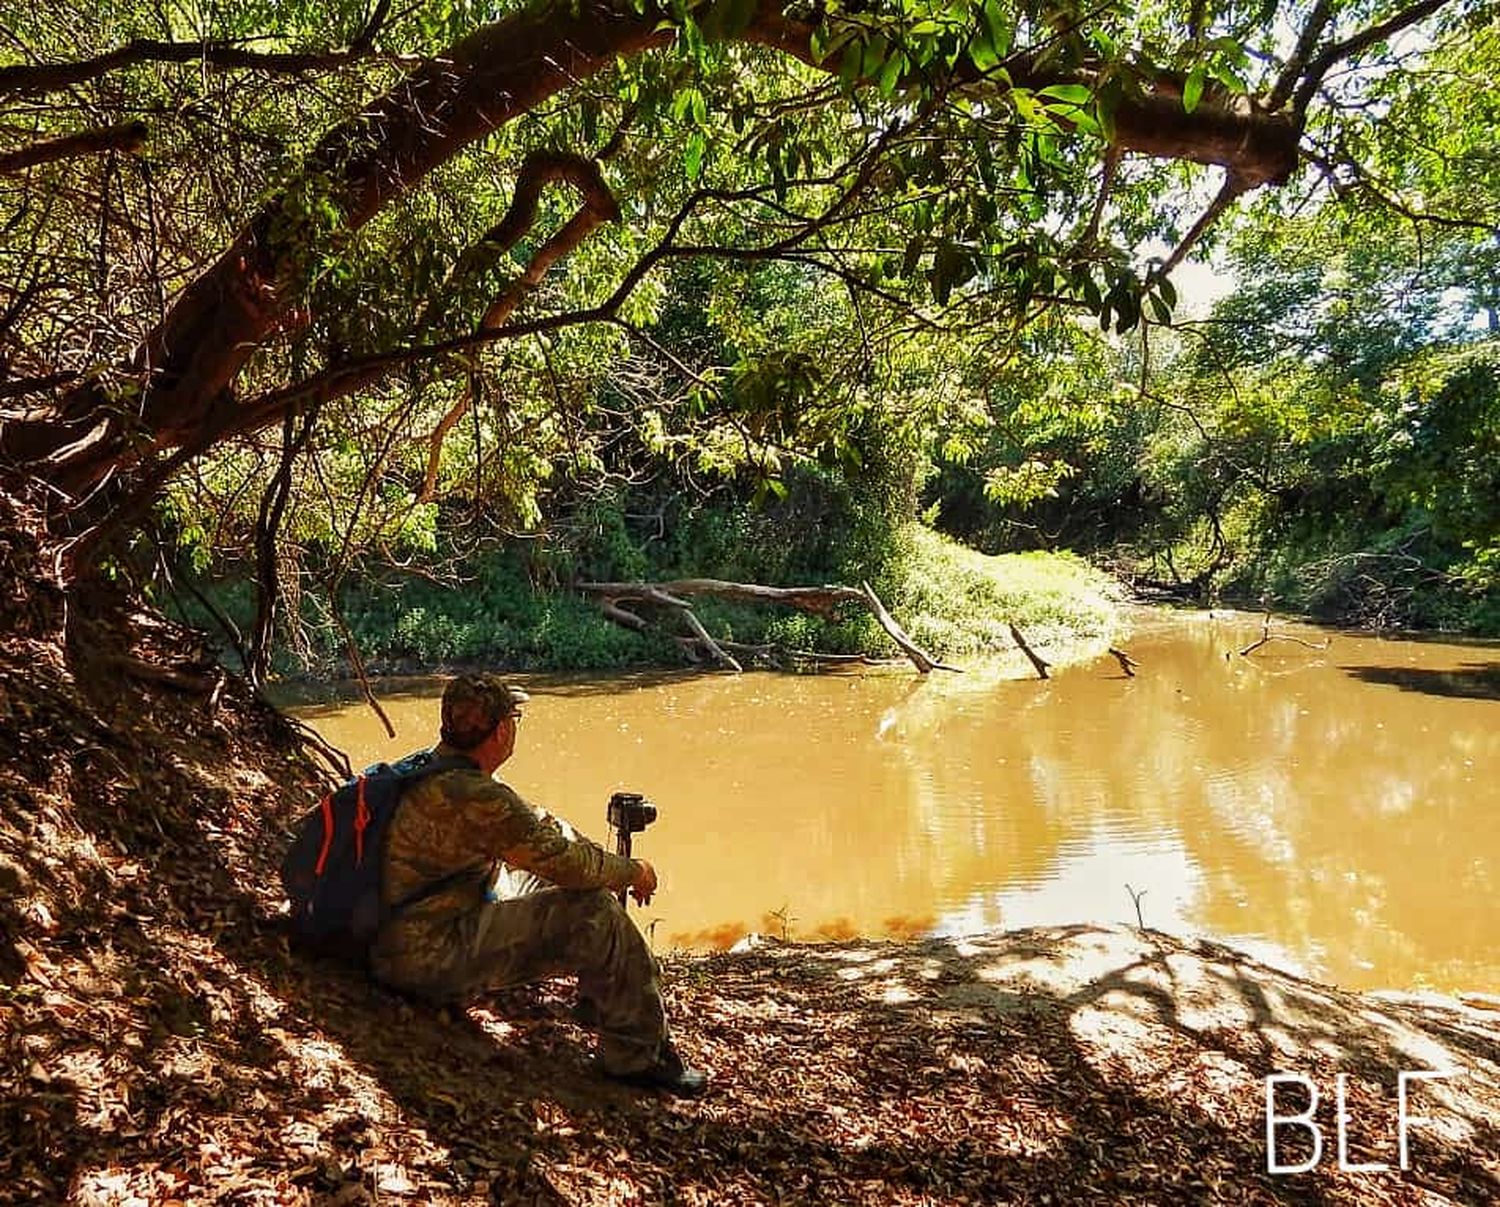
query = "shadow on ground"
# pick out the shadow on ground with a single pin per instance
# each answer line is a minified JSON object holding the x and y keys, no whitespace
{"x":160,"y":1044}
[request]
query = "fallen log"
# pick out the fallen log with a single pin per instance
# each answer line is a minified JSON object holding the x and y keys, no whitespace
{"x":819,"y":601}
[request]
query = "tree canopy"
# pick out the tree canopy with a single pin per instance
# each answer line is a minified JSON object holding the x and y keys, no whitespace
{"x":366,"y":257}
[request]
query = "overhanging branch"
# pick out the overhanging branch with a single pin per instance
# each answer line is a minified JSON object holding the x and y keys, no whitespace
{"x":1319,"y":67}
{"x":192,"y":359}
{"x":125,"y":136}
{"x":38,"y":78}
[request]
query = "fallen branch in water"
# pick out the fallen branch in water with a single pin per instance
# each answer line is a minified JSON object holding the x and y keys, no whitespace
{"x":1127,"y":663}
{"x":819,"y":601}
{"x":897,"y":634}
{"x":1266,"y":635}
{"x":714,"y":648}
{"x":1036,"y":659}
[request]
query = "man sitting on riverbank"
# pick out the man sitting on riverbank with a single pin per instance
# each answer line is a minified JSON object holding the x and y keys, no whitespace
{"x":529,"y":898}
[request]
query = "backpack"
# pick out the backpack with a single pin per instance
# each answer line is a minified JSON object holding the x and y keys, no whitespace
{"x":332,"y":871}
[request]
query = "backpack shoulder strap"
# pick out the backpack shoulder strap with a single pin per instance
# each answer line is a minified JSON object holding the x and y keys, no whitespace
{"x":448,"y":762}
{"x":424,"y":762}
{"x":418,"y":766}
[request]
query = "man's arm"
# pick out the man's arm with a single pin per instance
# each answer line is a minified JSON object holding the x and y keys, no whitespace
{"x":506,"y":826}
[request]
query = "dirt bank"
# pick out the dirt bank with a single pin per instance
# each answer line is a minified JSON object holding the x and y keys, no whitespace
{"x":158,"y":1043}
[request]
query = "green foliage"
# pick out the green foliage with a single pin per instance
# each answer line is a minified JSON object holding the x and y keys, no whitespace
{"x":956,"y":602}
{"x":1051,"y":458}
{"x":833,"y":293}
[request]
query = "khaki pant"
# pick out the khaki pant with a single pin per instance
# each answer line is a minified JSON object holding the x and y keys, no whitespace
{"x":527,"y":930}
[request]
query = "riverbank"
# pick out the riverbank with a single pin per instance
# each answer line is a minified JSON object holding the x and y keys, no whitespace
{"x":158,"y":1042}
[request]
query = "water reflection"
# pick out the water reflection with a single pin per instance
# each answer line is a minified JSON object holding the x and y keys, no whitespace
{"x":1307,"y":804}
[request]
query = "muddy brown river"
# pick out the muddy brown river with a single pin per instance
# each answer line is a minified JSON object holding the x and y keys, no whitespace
{"x":1336,"y":811}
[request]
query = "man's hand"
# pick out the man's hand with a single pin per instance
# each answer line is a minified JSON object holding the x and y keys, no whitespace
{"x":645,"y":883}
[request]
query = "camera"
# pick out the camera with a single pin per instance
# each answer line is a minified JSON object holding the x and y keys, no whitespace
{"x":630,"y":812}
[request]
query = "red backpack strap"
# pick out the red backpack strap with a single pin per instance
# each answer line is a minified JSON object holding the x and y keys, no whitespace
{"x":362,"y":816}
{"x":327,"y":806}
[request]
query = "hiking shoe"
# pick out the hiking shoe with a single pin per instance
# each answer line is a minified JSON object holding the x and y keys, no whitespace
{"x":670,"y":1074}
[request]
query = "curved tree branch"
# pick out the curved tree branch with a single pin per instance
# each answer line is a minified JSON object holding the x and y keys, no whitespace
{"x":599,"y":206}
{"x":125,"y":136}
{"x":1312,"y":29}
{"x":1312,"y":78}
{"x":1231,"y":189}
{"x":217,"y":323}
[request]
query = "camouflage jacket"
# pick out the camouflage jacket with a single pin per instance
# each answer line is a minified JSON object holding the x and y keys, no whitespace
{"x":464,"y":820}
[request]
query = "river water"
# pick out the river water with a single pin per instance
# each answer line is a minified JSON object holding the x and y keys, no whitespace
{"x":1335,"y":811}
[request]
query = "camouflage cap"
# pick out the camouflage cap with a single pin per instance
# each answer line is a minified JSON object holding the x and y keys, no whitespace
{"x":474,"y":704}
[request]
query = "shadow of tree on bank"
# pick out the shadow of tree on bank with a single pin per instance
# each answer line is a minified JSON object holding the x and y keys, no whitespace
{"x":1472,"y":681}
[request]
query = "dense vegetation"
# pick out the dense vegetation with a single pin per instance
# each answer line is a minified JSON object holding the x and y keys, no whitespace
{"x":1327,"y":439}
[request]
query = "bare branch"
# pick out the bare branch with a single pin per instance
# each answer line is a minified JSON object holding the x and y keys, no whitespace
{"x":125,"y":136}
{"x":37,"y":78}
{"x":1106,"y":183}
{"x":1349,"y":47}
{"x":1231,"y":189}
{"x":1312,"y":30}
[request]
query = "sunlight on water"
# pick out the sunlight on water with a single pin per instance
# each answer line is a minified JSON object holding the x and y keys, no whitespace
{"x":1331,"y":810}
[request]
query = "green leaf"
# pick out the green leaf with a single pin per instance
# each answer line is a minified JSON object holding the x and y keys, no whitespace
{"x":1074,"y":94}
{"x":818,"y":43}
{"x":1091,"y":295}
{"x":1192,"y":91}
{"x":952,"y":265}
{"x":692,"y":155}
{"x":1230,"y":78}
{"x":683,"y":102}
{"x":982,"y":53}
{"x":876,"y":51}
{"x":997,"y":26}
{"x":890,"y":74}
{"x":913,"y":256}
{"x":849,"y":64}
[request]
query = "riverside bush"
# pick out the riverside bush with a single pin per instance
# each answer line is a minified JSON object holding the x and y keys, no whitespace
{"x":509,"y":605}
